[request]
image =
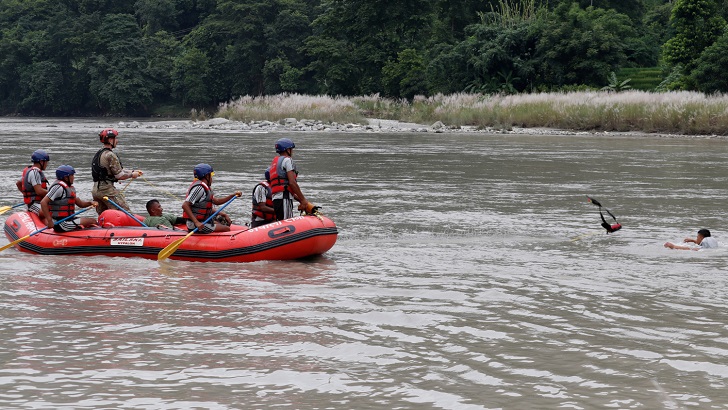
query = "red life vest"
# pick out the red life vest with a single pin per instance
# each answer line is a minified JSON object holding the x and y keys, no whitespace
{"x":66,"y":205}
{"x":29,"y":195}
{"x":202,"y":209}
{"x":279,"y":177}
{"x":257,"y":211}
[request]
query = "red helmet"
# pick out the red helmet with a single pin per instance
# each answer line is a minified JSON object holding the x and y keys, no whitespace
{"x":107,"y":133}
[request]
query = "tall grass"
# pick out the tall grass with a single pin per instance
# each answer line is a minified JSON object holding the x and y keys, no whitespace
{"x":277,"y":107}
{"x":680,"y":112}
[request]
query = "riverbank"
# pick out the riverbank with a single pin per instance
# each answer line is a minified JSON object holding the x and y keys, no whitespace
{"x":679,"y":112}
{"x":375,"y":125}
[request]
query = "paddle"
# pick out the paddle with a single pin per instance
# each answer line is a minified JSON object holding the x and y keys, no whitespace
{"x":6,"y":208}
{"x":17,"y":241}
{"x":106,"y":198}
{"x":169,"y":249}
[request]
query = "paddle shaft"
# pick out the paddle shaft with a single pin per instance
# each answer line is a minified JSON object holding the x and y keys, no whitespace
{"x":169,"y":249}
{"x":4,"y":209}
{"x":17,"y":241}
{"x":106,"y":198}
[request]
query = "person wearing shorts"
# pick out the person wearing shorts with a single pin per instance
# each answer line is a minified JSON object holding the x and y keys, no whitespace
{"x":60,"y":202}
{"x":200,"y":203}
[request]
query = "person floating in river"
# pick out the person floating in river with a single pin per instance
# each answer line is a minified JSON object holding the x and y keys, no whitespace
{"x":33,"y":183}
{"x":157,"y":218}
{"x":60,"y":202}
{"x":200,"y":202}
{"x":704,"y":240}
{"x":609,"y":228}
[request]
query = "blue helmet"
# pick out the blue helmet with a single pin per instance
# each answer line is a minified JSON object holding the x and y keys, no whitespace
{"x":40,"y":155}
{"x":64,"y":171}
{"x":284,"y":144}
{"x":202,"y":170}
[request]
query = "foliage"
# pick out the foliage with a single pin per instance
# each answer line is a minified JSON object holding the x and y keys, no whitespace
{"x":581,"y":46}
{"x":697,"y":25}
{"x":614,"y":85}
{"x":709,"y":73}
{"x":81,"y":57}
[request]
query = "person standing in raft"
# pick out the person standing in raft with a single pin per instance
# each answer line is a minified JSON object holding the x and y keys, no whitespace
{"x":33,"y":183}
{"x":283,"y":183}
{"x":200,"y":201}
{"x":263,"y":212}
{"x":106,"y":168}
{"x":61,"y":201}
{"x":704,"y":240}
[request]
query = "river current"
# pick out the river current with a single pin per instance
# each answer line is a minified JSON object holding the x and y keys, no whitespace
{"x":470,"y":272}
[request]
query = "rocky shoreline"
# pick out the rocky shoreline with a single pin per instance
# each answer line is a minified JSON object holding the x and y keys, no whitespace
{"x":374,"y":125}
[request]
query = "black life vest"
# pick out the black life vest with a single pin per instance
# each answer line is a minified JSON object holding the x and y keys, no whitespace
{"x":99,"y":173}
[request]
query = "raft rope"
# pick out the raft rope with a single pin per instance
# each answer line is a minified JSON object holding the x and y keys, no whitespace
{"x":161,"y":190}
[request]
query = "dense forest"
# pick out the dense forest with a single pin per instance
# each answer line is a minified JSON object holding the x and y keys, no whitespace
{"x":132,"y":57}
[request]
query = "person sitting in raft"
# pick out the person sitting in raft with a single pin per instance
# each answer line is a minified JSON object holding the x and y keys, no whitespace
{"x":60,"y":202}
{"x":263,"y":212}
{"x":33,"y":183}
{"x":704,"y":240}
{"x":200,"y":201}
{"x":157,"y":218}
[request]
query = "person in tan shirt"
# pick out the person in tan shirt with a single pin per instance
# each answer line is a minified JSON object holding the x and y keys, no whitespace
{"x":106,"y":169}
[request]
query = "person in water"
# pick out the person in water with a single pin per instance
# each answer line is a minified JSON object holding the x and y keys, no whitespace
{"x":157,"y":217}
{"x":106,"y":168}
{"x":33,"y":183}
{"x":60,"y":202}
{"x":200,"y":201}
{"x":704,"y":240}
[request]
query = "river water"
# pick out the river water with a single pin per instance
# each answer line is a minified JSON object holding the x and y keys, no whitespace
{"x":470,"y":273}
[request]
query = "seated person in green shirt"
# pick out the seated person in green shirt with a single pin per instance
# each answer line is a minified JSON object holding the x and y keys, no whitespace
{"x":158,"y":219}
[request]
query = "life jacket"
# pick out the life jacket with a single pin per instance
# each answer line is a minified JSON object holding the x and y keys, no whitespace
{"x":202,"y":209}
{"x":257,"y":211}
{"x":66,"y":206}
{"x":99,"y":173}
{"x":29,"y":195}
{"x":278,"y":177}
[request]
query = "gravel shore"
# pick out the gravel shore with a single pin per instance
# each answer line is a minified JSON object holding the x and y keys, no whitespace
{"x":374,"y":125}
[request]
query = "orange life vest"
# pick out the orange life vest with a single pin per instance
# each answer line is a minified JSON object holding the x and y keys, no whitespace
{"x":65,"y":206}
{"x":257,"y":211}
{"x":279,"y":177}
{"x":202,"y":209}
{"x":29,"y":195}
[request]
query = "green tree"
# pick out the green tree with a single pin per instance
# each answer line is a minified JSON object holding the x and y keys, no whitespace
{"x":709,"y":75}
{"x":120,"y":81}
{"x":697,"y":25}
{"x":405,"y":76}
{"x":191,"y":78}
{"x":354,"y":39}
{"x":582,"y":46}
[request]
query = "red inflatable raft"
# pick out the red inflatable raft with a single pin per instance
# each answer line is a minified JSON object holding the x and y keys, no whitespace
{"x":119,"y":235}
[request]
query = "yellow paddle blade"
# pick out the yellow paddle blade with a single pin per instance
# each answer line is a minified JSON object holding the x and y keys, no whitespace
{"x":15,"y":242}
{"x":169,"y":249}
{"x":4,"y":209}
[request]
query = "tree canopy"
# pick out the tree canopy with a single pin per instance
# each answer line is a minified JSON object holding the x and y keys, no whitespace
{"x":91,"y":57}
